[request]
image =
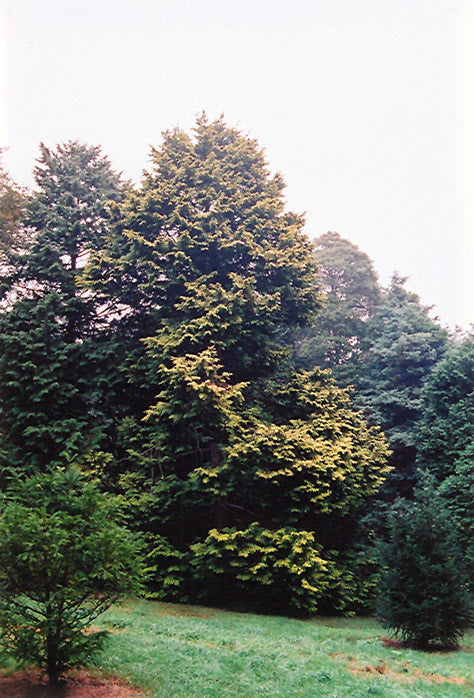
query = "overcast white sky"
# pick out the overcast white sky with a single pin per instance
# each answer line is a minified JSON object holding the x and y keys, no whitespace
{"x":365,"y":106}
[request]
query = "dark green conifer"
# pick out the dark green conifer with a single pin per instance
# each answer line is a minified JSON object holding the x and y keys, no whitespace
{"x":53,"y":352}
{"x":402,"y":345}
{"x":423,"y":591}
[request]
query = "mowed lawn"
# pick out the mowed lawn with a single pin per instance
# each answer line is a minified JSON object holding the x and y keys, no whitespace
{"x":177,"y":650}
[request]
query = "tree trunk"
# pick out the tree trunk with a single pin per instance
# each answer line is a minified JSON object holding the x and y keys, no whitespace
{"x":52,"y":662}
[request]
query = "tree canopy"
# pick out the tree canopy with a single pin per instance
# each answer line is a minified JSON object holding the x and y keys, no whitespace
{"x":445,"y":435}
{"x":352,"y":295}
{"x":402,"y":346}
{"x":205,"y":247}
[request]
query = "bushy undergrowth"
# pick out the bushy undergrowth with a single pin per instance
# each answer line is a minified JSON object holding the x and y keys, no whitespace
{"x":259,"y":568}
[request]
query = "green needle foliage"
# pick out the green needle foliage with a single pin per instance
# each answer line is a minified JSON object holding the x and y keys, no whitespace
{"x":267,"y":569}
{"x":209,"y":268}
{"x":423,"y":591}
{"x":402,"y":346}
{"x":64,"y":559}
{"x":457,"y":493}
{"x":205,"y":251}
{"x":55,"y":358}
{"x":445,"y":434}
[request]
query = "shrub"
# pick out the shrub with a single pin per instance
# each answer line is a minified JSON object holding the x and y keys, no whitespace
{"x":261,"y":569}
{"x":64,"y":559}
{"x":352,"y":582}
{"x":423,"y":590}
{"x":168,"y":570}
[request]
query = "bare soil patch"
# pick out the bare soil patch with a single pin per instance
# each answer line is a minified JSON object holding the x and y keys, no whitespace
{"x":78,"y":684}
{"x":405,"y":673}
{"x":390,"y":642}
{"x":399,"y":645}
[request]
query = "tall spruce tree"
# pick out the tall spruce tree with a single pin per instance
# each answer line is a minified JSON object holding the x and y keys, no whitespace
{"x":53,"y":354}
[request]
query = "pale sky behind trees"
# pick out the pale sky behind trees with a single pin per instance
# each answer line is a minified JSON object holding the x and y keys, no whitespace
{"x":366,"y":107}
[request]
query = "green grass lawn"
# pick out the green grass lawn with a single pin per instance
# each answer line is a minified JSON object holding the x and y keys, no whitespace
{"x":175,"y":650}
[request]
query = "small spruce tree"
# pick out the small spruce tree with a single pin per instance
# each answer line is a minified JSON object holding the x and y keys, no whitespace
{"x":423,"y":589}
{"x":64,"y":559}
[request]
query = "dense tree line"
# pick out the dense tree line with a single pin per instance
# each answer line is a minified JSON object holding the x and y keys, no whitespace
{"x":187,"y":347}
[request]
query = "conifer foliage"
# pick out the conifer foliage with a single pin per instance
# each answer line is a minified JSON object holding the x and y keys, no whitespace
{"x":352,"y":295}
{"x":206,"y":254}
{"x":146,"y":322}
{"x":445,"y":434}
{"x":52,"y":350}
{"x":206,"y":247}
{"x":64,"y":559}
{"x":402,"y":345}
{"x":423,"y":592}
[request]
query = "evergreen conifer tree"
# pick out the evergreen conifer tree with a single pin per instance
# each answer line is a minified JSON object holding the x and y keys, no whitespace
{"x":53,"y":354}
{"x":208,"y":268}
{"x":445,"y":434}
{"x":423,"y":591}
